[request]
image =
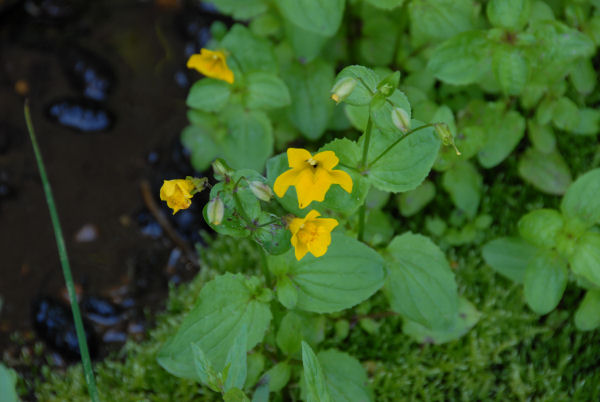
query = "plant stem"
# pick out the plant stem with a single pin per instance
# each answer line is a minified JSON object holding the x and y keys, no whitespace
{"x":64,"y":260}
{"x":363,"y":162}
{"x":389,"y":148}
{"x":361,"y":221}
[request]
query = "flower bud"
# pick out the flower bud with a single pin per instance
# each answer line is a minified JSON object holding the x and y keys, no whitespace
{"x":443,"y":132}
{"x":401,"y":119}
{"x":261,"y":190}
{"x":342,"y":89}
{"x":215,"y":211}
{"x":388,"y":85}
{"x":220,"y":169}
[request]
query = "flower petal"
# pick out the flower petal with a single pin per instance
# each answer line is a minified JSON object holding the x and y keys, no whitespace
{"x":342,"y":178}
{"x":327,"y":159}
{"x":318,"y":247}
{"x":285,"y":180}
{"x":326,"y":224}
{"x":300,"y":250}
{"x":297,"y":157}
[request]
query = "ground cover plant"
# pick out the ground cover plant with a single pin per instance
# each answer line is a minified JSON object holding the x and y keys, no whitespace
{"x":360,"y":157}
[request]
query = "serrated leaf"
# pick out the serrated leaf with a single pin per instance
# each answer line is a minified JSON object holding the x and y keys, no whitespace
{"x":319,"y":16}
{"x":252,"y":53}
{"x":266,"y":91}
{"x":345,"y":377}
{"x":508,"y":14}
{"x":510,"y":69}
{"x":541,"y":227}
{"x":296,"y":327}
{"x":236,"y":361}
{"x":316,"y":388}
{"x":349,"y":273}
{"x":224,"y":306}
{"x":421,"y":285}
{"x":546,"y":172}
{"x":434,"y":20}
{"x":209,"y":95}
{"x":367,"y":81}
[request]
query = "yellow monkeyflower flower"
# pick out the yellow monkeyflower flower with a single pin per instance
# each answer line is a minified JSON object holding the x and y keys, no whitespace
{"x":177,"y":193}
{"x":311,"y":234}
{"x":212,"y":64}
{"x":311,"y":175}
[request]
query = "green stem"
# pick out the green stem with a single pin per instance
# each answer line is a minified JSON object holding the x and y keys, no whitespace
{"x":64,"y":260}
{"x":265,"y":266}
{"x":361,"y":222}
{"x":363,"y":163}
{"x":389,"y":148}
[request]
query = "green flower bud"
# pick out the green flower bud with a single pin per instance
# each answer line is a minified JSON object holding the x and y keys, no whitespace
{"x":215,"y":211}
{"x":261,"y":190}
{"x":401,"y":119}
{"x":220,"y":169}
{"x":342,"y":89}
{"x":443,"y":131}
{"x":388,"y":85}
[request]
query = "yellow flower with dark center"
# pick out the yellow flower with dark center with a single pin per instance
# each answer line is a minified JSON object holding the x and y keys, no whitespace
{"x":311,"y":234}
{"x":177,"y":194}
{"x":212,"y":64}
{"x":311,"y":175}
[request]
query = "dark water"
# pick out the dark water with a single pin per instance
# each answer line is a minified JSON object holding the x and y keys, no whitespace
{"x":107,"y":83}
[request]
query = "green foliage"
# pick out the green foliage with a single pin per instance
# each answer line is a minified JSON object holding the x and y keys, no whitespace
{"x":316,"y":389}
{"x":8,"y":381}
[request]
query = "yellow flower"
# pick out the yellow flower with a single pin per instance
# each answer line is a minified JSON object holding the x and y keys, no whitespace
{"x":212,"y":64}
{"x":311,"y":234}
{"x":177,"y":194}
{"x":311,"y":175}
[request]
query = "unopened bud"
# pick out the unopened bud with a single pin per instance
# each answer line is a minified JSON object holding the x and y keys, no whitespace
{"x":220,"y":169}
{"x":199,"y":183}
{"x":401,"y":119}
{"x":261,"y":190}
{"x":342,"y":89}
{"x":388,"y":85}
{"x":215,"y":211}
{"x":443,"y":131}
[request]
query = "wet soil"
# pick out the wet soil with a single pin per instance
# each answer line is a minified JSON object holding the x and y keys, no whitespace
{"x":139,"y":49}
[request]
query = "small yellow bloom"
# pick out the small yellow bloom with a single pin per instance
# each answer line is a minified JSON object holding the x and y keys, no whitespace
{"x":311,"y":175}
{"x":212,"y":64}
{"x":177,"y":194}
{"x":311,"y":234}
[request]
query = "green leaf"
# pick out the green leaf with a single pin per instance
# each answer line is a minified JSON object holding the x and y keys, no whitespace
{"x":377,"y":45}
{"x":266,"y":91}
{"x":209,"y":95}
{"x":378,"y":228}
{"x":319,"y":16}
{"x":249,"y":142}
{"x":547,"y":172}
{"x":272,"y":233}
{"x":256,"y":366}
{"x":565,"y":114}
{"x":541,"y":227}
{"x":581,"y":199}
{"x":544,"y":282}
{"x":465,"y":319}
{"x":589,"y":122}
{"x":241,"y":10}
{"x":366,"y":86}
{"x":278,"y":376}
{"x":436,"y":20}
{"x":462,"y":59}
{"x":236,"y":362}
{"x":286,"y":292}
{"x":420,"y":284}
{"x":296,"y":327}
{"x":411,"y":202}
{"x":508,"y":14}
{"x":345,"y":377}
{"x":8,"y":382}
{"x":583,"y":76}
{"x":407,"y":163}
{"x":382,"y":115}
{"x":504,"y":135}
{"x":585,"y":261}
{"x":235,"y":395}
{"x":203,"y":148}
{"x":316,"y":388}
{"x":509,"y":256}
{"x":587,"y":316}
{"x":207,"y":375}
{"x":306,"y":44}
{"x":224,"y":306}
{"x":510,"y":69}
{"x":464,"y":183}
{"x":386,"y":4}
{"x":311,"y":107}
{"x":252,"y":53}
{"x":349,"y":273}
{"x":541,"y":136}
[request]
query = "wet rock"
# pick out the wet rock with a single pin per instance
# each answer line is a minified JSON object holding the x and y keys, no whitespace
{"x":87,"y":72}
{"x":101,"y":311}
{"x":88,"y":233}
{"x":80,"y":114}
{"x":53,"y":322}
{"x":54,"y":11}
{"x":149,"y":227}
